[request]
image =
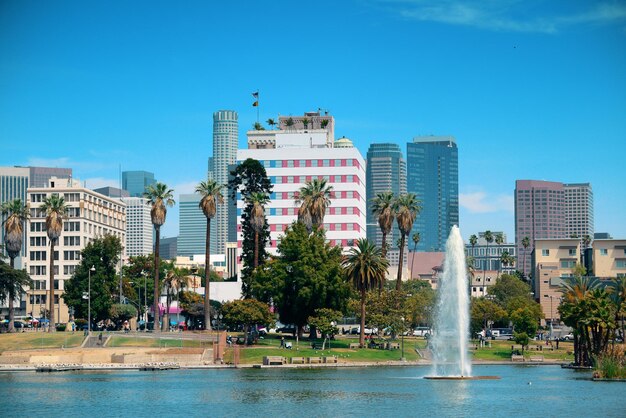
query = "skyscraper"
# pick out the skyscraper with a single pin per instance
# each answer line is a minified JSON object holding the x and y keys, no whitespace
{"x":386,"y":172}
{"x":135,"y":182}
{"x":225,"y":141}
{"x":579,"y":210}
{"x":433,"y":176}
{"x":192,"y":227}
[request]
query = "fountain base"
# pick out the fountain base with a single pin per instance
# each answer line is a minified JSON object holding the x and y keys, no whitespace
{"x":462,"y":377}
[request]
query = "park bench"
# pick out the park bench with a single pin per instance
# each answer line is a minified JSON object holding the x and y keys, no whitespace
{"x":273,"y":360}
{"x":297,"y":360}
{"x":330,"y":359}
{"x":311,"y":360}
{"x":536,"y":359}
{"x":354,"y":346}
{"x":393,"y":346}
{"x":517,"y":357}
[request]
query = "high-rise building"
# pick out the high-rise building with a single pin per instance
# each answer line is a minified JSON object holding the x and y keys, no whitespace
{"x":386,"y":172}
{"x":579,"y":209}
{"x":433,"y":176}
{"x":225,"y":143}
{"x":112,"y":192}
{"x":90,"y":215}
{"x":135,"y":182}
{"x":296,"y":156}
{"x":168,"y":248}
{"x":192,"y":227}
{"x":14,"y":181}
{"x":550,"y":210}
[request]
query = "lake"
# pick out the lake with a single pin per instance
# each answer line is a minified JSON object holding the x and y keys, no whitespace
{"x":539,"y":391}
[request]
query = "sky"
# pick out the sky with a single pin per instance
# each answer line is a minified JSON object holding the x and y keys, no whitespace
{"x":530,"y":89}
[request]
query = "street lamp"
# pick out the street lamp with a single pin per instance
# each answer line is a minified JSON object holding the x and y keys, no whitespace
{"x":93,"y":268}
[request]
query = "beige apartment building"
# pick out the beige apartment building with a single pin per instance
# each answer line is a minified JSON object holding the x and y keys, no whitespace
{"x":553,"y":260}
{"x":90,"y":215}
{"x":609,"y":258}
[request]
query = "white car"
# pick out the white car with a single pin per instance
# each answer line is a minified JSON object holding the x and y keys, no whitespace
{"x":421,"y":332}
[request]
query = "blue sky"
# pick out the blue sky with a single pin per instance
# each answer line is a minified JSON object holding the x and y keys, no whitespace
{"x":530,"y":89}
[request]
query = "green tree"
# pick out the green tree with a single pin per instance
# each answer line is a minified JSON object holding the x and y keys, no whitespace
{"x":314,"y":199}
{"x":388,"y":309}
{"x":258,"y":127}
{"x":119,"y":312}
{"x":175,"y":280}
{"x":247,"y":312}
{"x":406,"y":208}
{"x":211,"y":193}
{"x":489,"y":238}
{"x":325,"y":321}
{"x":525,"y":320}
{"x":250,"y":177}
{"x":12,"y":284}
{"x":257,"y":201}
{"x":508,"y":287}
{"x":16,"y":214}
{"x":506,"y":260}
{"x":271,"y":122}
{"x":159,"y":197}
{"x":420,"y":302}
{"x":365,"y":268}
{"x":102,"y":254}
{"x":383,"y":209}
{"x":304,"y":276}
{"x":416,"y":239}
{"x":55,"y":209}
{"x":483,"y":311}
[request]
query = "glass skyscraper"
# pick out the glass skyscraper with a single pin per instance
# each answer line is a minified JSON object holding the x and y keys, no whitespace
{"x":386,"y":172}
{"x":192,"y":227}
{"x":135,"y":182}
{"x":225,"y":142}
{"x":433,"y":176}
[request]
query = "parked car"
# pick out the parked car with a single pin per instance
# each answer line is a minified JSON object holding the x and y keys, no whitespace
{"x":568,"y":337}
{"x":421,"y":332}
{"x":287,"y":329}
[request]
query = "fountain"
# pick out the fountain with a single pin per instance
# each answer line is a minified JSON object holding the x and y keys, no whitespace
{"x":449,"y":343}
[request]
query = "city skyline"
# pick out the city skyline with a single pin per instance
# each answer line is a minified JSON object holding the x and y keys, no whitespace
{"x":530,"y":91}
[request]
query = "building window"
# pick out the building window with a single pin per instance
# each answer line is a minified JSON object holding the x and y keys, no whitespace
{"x":604,"y":251}
{"x":572,"y":251}
{"x":545,"y":253}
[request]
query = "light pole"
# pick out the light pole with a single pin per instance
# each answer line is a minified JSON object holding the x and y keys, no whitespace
{"x":402,"y":337}
{"x":93,"y":268}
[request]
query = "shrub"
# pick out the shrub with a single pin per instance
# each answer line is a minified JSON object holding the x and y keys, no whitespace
{"x":611,"y":364}
{"x":61,"y":327}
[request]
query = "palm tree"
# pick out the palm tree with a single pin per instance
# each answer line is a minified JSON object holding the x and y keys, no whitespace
{"x":271,"y":122}
{"x":159,"y":197}
{"x":289,"y":123}
{"x":314,"y":199}
{"x":17,"y":214}
{"x":382,"y":207}
{"x":365,"y":268}
{"x":525,"y":244}
{"x":174,"y":280}
{"x":258,"y":127}
{"x":406,"y":208}
{"x":12,"y":283}
{"x":586,"y":242}
{"x":416,"y":240}
{"x":489,"y":238}
{"x":211,"y":193}
{"x":55,"y":209}
{"x":258,"y":200}
{"x":505,"y":260}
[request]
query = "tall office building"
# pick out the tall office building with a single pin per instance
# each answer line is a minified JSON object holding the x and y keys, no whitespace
{"x":168,"y":248}
{"x":135,"y":182}
{"x":225,"y":142}
{"x":14,"y":181}
{"x":539,"y":214}
{"x":192,"y":227}
{"x":433,"y":176}
{"x":579,"y":209}
{"x":90,"y":215}
{"x":386,"y":172}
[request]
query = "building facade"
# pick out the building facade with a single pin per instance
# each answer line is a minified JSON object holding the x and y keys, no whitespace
{"x":609,"y":258}
{"x":136,"y":182}
{"x":386,"y":172}
{"x":90,"y":215}
{"x":489,"y":256}
{"x":298,"y":159}
{"x":139,"y":228}
{"x":225,"y":144}
{"x":192,"y":227}
{"x":168,"y":248}
{"x":433,"y":176}
{"x":579,"y":217}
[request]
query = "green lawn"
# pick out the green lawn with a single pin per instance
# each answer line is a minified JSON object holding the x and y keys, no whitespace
{"x":122,"y":341}
{"x":34,"y":340}
{"x":501,"y":351}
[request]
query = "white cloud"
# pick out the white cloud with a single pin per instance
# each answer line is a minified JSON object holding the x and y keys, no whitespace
{"x":481,"y":202}
{"x":506,"y":15}
{"x":187,"y":187}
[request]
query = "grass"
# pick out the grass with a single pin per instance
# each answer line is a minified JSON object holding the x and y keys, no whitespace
{"x":121,"y":341}
{"x":501,"y":351}
{"x":35,"y":340}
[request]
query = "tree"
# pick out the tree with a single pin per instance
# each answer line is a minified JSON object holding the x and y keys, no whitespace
{"x":304,"y":276}
{"x":416,"y":240}
{"x":389,"y":310}
{"x":247,"y":312}
{"x":16,"y":216}
{"x":119,"y":312}
{"x":525,"y":244}
{"x":618,"y":296}
{"x":271,"y":122}
{"x":55,"y":209}
{"x":211,"y":193}
{"x":314,"y":199}
{"x":325,"y":321}
{"x":489,"y":238}
{"x":365,"y":268}
{"x":499,"y":239}
{"x":139,"y":270}
{"x":250,"y":177}
{"x":257,"y":201}
{"x":508,"y":287}
{"x":305,"y":122}
{"x":12,"y":284}
{"x":159,"y":197}
{"x":289,"y":123}
{"x":258,"y":127}
{"x":383,"y":209}
{"x":406,"y":208}
{"x":173,"y":282}
{"x":102,"y":254}
{"x":483,"y":311}
{"x":505,"y":260}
